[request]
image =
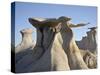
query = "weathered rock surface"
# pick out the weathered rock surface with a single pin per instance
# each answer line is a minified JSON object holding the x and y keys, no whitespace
{"x":25,"y":47}
{"x":89,"y":42}
{"x":55,"y":49}
{"x":75,"y":59}
{"x":89,"y":58}
{"x":27,"y":42}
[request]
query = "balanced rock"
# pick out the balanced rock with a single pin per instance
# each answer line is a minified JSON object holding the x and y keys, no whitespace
{"x":55,"y":49}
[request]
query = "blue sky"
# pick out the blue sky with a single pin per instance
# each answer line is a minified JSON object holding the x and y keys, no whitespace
{"x":78,"y":14}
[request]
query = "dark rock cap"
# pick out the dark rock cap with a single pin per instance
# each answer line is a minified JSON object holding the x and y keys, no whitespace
{"x":46,"y":22}
{"x":63,"y":18}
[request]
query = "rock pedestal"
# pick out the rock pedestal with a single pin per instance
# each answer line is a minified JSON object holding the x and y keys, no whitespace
{"x":26,"y":42}
{"x":55,"y":49}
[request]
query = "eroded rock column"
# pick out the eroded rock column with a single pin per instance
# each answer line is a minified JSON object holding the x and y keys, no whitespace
{"x":26,"y":42}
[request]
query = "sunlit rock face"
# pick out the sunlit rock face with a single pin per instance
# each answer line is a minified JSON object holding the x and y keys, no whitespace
{"x":27,"y":41}
{"x":55,"y":49}
{"x":89,"y":58}
{"x":44,"y":56}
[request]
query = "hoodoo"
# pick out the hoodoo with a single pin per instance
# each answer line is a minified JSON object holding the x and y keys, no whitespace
{"x":27,"y":41}
{"x":55,"y":49}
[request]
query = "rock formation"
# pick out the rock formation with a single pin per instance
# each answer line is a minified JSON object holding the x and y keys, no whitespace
{"x":26,"y":42}
{"x":55,"y":49}
{"x":89,"y":58}
{"x":26,"y":45}
{"x":69,"y":45}
{"x":42,"y":53}
{"x":89,"y":42}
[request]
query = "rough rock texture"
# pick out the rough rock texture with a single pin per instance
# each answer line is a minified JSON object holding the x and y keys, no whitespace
{"x":89,"y":58}
{"x":24,"y":48}
{"x":89,"y":42}
{"x":55,"y":49}
{"x":69,"y":45}
{"x":26,"y":42}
